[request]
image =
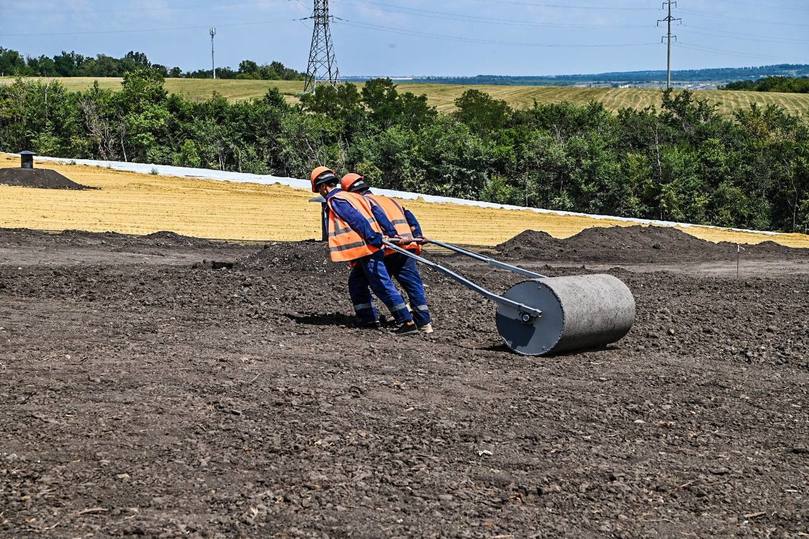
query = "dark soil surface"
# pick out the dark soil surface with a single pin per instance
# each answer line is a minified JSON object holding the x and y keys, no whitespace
{"x":40,"y":178}
{"x":161,"y":397}
{"x":307,"y":256}
{"x":636,"y":244}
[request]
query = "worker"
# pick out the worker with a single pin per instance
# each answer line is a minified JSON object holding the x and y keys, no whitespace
{"x":400,"y":224}
{"x":355,"y":236}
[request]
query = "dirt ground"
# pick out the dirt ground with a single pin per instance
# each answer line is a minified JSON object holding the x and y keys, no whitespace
{"x":148,"y":393}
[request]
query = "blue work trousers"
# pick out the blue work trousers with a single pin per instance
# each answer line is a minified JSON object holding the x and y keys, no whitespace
{"x":372,"y":271}
{"x":406,"y":271}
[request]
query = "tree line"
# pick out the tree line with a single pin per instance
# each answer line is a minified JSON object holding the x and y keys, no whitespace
{"x":73,"y":64}
{"x":795,"y":85}
{"x":681,"y":162}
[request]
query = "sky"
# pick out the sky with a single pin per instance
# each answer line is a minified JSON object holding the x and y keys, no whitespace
{"x":420,"y":37}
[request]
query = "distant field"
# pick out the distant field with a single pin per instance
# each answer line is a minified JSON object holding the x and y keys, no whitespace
{"x":198,"y":89}
{"x":443,"y":95}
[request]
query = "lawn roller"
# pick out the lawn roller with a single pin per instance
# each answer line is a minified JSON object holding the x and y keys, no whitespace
{"x":549,"y":315}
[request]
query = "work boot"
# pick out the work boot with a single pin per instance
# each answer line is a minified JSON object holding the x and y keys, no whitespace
{"x":370,"y":324}
{"x":408,"y":328}
{"x":426,"y":328}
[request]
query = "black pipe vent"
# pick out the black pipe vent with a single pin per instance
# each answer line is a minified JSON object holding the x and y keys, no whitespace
{"x":27,"y":159}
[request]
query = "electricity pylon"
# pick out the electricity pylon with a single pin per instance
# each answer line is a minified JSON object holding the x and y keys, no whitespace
{"x":322,"y":66}
{"x":212,"y":31}
{"x":668,"y":37}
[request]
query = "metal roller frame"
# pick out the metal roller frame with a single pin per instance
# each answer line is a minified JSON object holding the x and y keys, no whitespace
{"x":523,"y":327}
{"x":508,"y":308}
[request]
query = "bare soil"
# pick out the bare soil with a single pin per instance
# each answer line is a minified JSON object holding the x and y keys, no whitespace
{"x":40,"y":178}
{"x":145,"y":393}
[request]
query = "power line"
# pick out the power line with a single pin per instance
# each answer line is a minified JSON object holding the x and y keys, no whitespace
{"x":715,"y":15}
{"x":668,"y":37}
{"x":699,"y":48}
{"x":146,"y":30}
{"x":778,"y":5}
{"x":745,"y":37}
{"x":88,"y":11}
{"x":588,"y":7}
{"x":467,"y":39}
{"x":463,"y":17}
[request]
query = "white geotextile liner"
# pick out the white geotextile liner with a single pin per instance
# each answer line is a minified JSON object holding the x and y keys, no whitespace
{"x":304,"y":185}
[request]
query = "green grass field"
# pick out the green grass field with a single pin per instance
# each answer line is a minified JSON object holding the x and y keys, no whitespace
{"x":443,"y":96}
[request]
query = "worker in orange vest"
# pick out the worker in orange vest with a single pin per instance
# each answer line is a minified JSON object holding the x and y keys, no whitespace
{"x":398,"y":223}
{"x":355,"y":236}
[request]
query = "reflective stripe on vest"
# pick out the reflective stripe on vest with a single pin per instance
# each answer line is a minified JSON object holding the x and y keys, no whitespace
{"x":396,"y":214}
{"x":345,"y":244}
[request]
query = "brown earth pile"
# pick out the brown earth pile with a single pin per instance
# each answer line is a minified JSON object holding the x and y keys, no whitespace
{"x":172,"y":239}
{"x":636,"y":244}
{"x":80,"y":238}
{"x":39,"y":178}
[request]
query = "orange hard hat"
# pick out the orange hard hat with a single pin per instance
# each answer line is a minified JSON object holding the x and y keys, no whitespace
{"x":321,"y":175}
{"x":354,"y":182}
{"x":349,"y":180}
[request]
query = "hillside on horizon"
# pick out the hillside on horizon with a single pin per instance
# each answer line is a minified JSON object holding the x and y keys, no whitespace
{"x":719,"y":75}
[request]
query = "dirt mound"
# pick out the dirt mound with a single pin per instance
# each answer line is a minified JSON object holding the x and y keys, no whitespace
{"x":302,"y":256}
{"x":72,"y":238}
{"x":78,"y":238}
{"x":172,"y":239}
{"x":530,"y":242}
{"x":638,"y":237}
{"x":39,"y":178}
{"x":631,"y":244}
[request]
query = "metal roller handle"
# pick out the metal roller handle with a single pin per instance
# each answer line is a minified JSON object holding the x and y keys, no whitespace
{"x":524,"y":312}
{"x":490,"y":261}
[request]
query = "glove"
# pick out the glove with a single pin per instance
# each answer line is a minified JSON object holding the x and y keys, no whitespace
{"x":375,"y":241}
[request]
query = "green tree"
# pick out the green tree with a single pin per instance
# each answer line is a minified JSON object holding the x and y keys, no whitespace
{"x":11,"y":63}
{"x":481,"y":112}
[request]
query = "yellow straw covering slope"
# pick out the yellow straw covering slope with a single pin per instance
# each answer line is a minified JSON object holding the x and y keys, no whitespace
{"x":140,"y":204}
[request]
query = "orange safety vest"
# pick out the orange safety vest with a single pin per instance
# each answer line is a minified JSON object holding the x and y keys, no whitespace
{"x":395,"y":212}
{"x":345,"y":244}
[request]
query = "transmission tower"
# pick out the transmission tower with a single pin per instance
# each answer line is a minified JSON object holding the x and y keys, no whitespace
{"x":213,"y":58}
{"x":668,"y":37}
{"x":322,"y":66}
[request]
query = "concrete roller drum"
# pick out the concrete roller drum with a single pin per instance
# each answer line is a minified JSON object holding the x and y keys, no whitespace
{"x":550,"y":315}
{"x":578,"y":312}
